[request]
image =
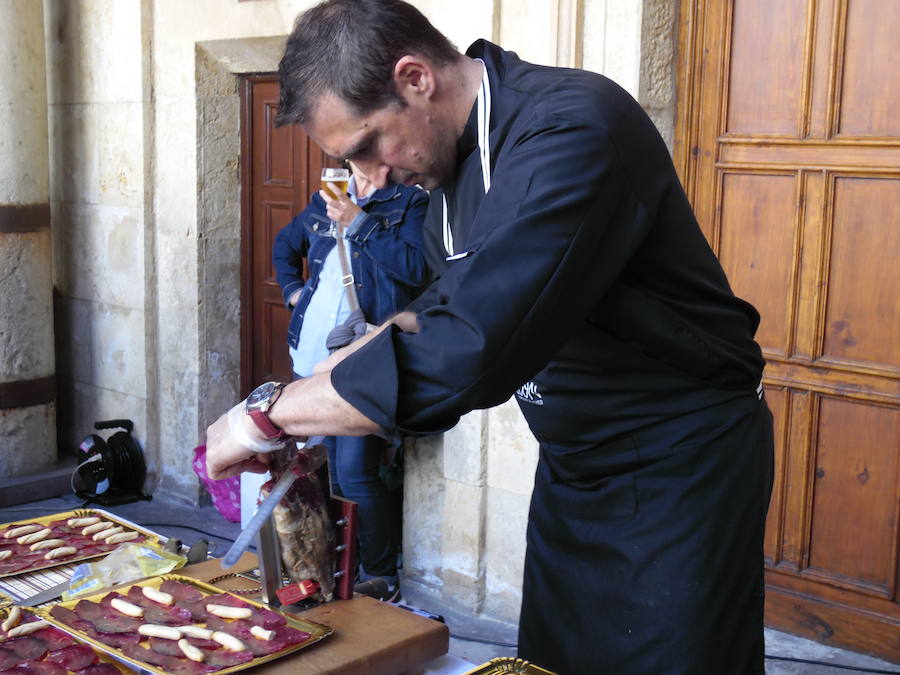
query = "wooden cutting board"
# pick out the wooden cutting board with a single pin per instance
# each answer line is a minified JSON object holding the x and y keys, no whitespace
{"x":370,"y":637}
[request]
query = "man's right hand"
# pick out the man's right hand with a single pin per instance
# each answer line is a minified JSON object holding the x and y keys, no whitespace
{"x":225,"y":456}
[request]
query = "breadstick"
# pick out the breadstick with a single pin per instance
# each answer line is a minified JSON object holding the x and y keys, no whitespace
{"x":196,"y":632}
{"x":60,"y":552}
{"x":126,"y":607}
{"x":230,"y":642}
{"x":82,"y":522}
{"x":119,"y":537}
{"x":47,"y":543}
{"x":190,"y":651}
{"x":11,"y":619}
{"x":154,"y":630}
{"x":24,"y":529}
{"x":34,"y":536}
{"x":262,"y":633}
{"x":27,"y":628}
{"x":5,"y":554}
{"x":227,"y":612}
{"x":97,"y":527}
{"x":157,"y":596}
{"x":103,"y":535}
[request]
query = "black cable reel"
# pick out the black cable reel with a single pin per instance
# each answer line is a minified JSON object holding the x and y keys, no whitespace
{"x":110,"y":471}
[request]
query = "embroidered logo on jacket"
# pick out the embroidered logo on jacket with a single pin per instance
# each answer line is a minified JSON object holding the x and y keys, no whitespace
{"x":529,"y":393}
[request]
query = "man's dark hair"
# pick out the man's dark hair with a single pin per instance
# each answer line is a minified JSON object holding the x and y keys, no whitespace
{"x":350,"y":47}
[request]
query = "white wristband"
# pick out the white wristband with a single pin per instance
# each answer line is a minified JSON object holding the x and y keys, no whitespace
{"x":235,"y":425}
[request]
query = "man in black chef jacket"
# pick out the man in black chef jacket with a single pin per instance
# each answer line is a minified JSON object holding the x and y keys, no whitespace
{"x":574,"y":276}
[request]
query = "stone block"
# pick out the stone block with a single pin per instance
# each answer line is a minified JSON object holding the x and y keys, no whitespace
{"x":175,"y":172}
{"x":29,"y":439}
{"x":25,"y":169}
{"x":121,"y":154}
{"x":463,"y":528}
{"x":464,"y":449}
{"x":529,"y":29}
{"x":118,"y":354}
{"x":99,"y":253}
{"x":462,"y":592}
{"x":75,"y":332}
{"x":26,"y":310}
{"x":219,"y":326}
{"x":659,"y":33}
{"x":513,"y":450}
{"x":74,"y":155}
{"x":179,"y":430}
{"x":94,"y":51}
{"x":219,"y":167}
{"x":505,"y":525}
{"x":423,"y":509}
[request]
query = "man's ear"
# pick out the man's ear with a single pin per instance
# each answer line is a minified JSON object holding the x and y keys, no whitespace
{"x":414,"y":78}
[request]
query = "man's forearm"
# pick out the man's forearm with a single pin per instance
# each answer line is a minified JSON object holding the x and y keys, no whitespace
{"x":312,"y":407}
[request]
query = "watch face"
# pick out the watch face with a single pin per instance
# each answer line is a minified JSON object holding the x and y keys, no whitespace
{"x":262,"y":393}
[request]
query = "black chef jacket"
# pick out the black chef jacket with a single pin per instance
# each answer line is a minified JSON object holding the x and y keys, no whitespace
{"x":583,"y":284}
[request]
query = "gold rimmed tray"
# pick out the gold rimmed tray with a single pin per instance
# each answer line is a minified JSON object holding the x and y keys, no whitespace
{"x":508,"y":665}
{"x":56,"y":521}
{"x":315,"y":631}
{"x":14,"y":653}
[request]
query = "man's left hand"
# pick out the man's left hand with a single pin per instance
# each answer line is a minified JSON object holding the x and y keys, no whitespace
{"x":225,"y":456}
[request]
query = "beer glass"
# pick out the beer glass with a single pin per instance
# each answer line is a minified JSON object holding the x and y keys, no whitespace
{"x":340,"y":179}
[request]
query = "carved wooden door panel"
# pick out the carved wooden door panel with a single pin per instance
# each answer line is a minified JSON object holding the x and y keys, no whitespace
{"x":280,"y":170}
{"x":788,"y":143}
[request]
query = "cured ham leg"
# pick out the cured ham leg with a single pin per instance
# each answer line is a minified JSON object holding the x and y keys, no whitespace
{"x":302,"y":521}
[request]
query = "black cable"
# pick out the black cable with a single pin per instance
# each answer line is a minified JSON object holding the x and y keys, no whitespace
{"x":856,"y":669}
{"x":187,"y":527}
{"x":770,"y":657}
{"x":466,"y":638}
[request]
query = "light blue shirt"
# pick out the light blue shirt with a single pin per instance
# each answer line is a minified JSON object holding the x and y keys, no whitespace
{"x":328,"y":306}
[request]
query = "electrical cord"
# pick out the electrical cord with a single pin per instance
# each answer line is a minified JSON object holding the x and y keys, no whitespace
{"x":188,"y":527}
{"x":770,"y":657}
{"x":89,"y":460}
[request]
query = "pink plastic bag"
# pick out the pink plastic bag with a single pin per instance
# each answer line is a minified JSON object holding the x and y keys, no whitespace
{"x":225,"y":493}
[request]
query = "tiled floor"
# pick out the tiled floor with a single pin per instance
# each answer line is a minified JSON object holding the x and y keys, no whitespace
{"x":473,"y":641}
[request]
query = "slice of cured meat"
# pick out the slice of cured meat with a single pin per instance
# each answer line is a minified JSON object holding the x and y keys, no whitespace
{"x":225,"y":659}
{"x":70,"y":618}
{"x":114,"y":639}
{"x":28,"y":648}
{"x":54,"y":638}
{"x":8,"y":658}
{"x":75,"y":657}
{"x":170,"y":664}
{"x":291,"y":636}
{"x":38,"y":668}
{"x":100,"y":669}
{"x":163,"y":646}
{"x":181,"y":591}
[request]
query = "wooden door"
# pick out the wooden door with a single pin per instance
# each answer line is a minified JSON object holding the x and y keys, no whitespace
{"x":788,"y":143}
{"x":280,"y":170}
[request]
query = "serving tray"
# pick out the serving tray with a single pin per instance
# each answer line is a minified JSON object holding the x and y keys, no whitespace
{"x":508,"y":665}
{"x":136,"y":649}
{"x":51,"y":645}
{"x":23,"y":559}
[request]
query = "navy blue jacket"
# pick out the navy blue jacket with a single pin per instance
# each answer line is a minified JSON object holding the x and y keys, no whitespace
{"x":386,"y":254}
{"x":582,"y":279}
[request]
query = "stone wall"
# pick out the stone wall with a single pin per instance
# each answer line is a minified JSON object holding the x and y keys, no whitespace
{"x":144,"y":118}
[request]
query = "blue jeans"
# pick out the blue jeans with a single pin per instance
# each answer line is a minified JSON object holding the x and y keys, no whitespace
{"x":354,"y":463}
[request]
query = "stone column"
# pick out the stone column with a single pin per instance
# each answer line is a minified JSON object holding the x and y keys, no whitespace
{"x":27,"y":364}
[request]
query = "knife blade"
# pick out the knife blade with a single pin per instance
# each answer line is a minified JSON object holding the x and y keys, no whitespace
{"x":46,"y":595}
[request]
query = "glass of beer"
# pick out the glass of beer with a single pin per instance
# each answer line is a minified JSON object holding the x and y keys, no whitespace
{"x":340,"y":179}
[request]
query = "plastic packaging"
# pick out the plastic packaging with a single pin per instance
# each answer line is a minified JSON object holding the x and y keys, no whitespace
{"x":129,"y":562}
{"x":225,"y":493}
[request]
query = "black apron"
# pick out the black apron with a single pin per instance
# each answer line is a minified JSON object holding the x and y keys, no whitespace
{"x":645,"y":555}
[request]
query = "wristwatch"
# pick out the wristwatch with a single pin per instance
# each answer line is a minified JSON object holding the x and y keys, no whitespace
{"x":259,"y":402}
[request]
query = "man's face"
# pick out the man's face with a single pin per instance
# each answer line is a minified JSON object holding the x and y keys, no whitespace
{"x":399,"y":144}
